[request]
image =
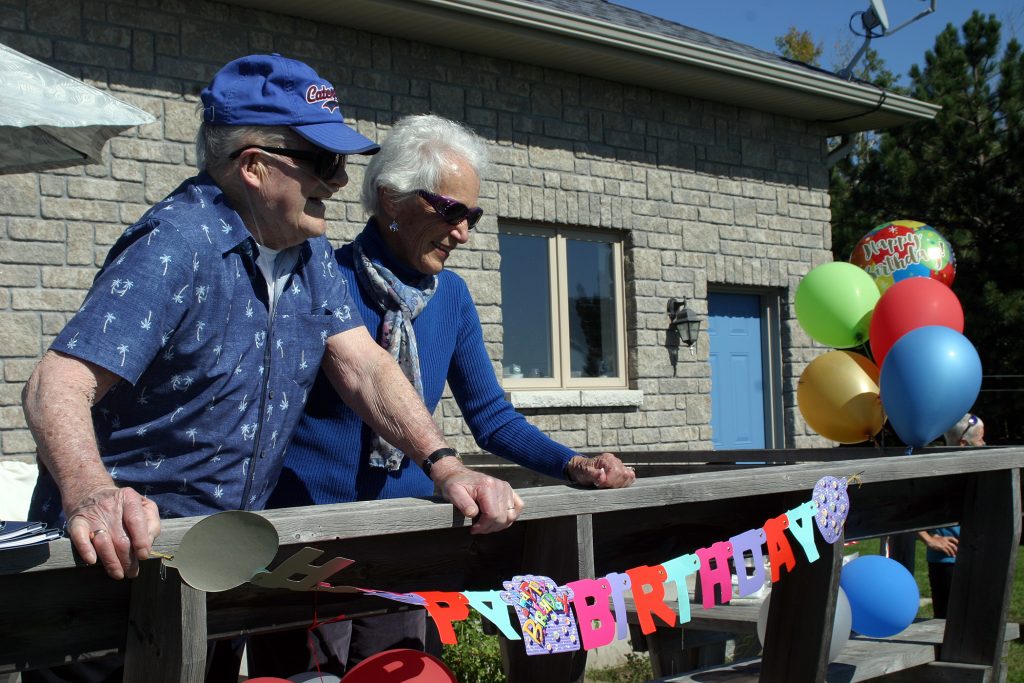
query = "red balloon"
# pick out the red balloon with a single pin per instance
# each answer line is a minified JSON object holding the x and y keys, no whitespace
{"x":908,"y":305}
{"x":400,"y":666}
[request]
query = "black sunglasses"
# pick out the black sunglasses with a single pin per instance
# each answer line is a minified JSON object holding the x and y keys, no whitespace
{"x":451,"y":211}
{"x":971,"y":421}
{"x":325,"y":164}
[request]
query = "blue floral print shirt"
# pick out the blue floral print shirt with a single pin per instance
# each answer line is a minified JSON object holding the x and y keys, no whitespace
{"x":215,"y":378}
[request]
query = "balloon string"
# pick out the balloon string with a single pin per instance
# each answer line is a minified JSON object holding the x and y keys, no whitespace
{"x":310,"y":643}
{"x":855,"y":479}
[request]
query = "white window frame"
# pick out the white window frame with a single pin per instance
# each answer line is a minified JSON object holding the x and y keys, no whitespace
{"x":559,"y":324}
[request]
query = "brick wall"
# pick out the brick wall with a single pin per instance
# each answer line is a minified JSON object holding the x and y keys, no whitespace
{"x":706,"y":194}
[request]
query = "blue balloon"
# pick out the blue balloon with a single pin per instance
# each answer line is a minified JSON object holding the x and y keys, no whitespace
{"x":883,"y":595}
{"x":930,"y":379}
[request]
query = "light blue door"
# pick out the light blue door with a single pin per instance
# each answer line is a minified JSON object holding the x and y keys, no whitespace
{"x":737,"y":371}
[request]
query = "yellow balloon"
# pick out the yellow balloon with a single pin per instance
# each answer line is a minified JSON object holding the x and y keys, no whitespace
{"x":838,"y":396}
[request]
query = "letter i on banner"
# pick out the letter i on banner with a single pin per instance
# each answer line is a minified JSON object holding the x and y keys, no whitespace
{"x":619,"y":584}
{"x":542,"y":606}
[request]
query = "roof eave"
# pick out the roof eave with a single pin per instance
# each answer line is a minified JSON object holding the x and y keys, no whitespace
{"x":536,"y":34}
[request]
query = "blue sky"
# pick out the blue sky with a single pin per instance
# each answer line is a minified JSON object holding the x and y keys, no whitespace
{"x":758,"y":22}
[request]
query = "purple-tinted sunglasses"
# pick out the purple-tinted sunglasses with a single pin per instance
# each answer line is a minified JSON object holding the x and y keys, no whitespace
{"x":451,"y":211}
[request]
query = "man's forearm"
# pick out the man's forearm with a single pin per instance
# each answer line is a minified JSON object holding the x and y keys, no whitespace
{"x":57,"y":401}
{"x":372,"y":384}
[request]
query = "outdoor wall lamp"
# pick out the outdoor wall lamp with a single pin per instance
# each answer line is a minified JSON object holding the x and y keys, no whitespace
{"x":685,"y":322}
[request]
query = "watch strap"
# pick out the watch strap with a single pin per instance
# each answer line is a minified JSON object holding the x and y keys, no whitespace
{"x":429,"y":461}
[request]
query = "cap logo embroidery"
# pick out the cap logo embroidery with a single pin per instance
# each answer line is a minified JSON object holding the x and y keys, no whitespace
{"x":324,"y":95}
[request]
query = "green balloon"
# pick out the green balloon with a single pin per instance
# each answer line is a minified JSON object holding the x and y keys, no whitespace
{"x":834,"y":303}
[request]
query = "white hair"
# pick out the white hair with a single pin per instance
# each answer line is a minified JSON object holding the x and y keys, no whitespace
{"x":214,"y":144}
{"x":963,"y":430}
{"x":415,"y":154}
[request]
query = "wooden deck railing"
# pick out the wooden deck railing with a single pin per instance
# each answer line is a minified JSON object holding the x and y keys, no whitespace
{"x":55,"y":610}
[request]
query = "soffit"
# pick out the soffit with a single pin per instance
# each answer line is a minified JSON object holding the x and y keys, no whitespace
{"x":548,"y":36}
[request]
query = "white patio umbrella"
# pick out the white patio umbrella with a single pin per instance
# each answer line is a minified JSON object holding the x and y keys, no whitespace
{"x":50,"y":120}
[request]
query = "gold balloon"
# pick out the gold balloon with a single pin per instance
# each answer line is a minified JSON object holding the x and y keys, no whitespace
{"x":838,"y":396}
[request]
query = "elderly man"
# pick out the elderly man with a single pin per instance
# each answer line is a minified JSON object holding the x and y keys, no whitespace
{"x":175,"y":388}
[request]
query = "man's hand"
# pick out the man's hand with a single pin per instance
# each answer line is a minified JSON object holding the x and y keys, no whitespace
{"x":947,"y":545}
{"x":491,"y":503}
{"x":604,"y":471}
{"x":116,"y":526}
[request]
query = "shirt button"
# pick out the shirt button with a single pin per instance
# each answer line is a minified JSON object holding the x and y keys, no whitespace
{"x":271,"y":394}
{"x":263,"y":453}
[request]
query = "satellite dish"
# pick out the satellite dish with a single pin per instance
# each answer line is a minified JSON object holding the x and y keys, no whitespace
{"x":880,"y":16}
{"x":874,"y":22}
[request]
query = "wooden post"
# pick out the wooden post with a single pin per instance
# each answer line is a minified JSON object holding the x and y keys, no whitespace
{"x":166,"y":628}
{"x":983,"y":574}
{"x":798,"y":633}
{"x":563,"y":549}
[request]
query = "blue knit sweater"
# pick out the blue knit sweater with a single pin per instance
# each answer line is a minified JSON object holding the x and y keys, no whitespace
{"x":327,"y":461}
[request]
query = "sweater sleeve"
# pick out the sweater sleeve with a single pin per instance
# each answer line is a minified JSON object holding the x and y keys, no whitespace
{"x":495,"y":424}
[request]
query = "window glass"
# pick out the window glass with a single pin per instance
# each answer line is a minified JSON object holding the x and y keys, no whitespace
{"x":590,"y":281}
{"x":526,"y":306}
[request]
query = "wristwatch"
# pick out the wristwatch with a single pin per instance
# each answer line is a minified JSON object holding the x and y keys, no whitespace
{"x":437,"y":455}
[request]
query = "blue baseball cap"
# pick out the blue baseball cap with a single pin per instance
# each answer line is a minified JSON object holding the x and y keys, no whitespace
{"x":271,"y":90}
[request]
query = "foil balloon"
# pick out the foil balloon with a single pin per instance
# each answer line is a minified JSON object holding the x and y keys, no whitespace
{"x":903,"y":249}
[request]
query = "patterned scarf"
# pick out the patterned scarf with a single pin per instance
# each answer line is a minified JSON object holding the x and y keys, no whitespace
{"x":401,"y":304}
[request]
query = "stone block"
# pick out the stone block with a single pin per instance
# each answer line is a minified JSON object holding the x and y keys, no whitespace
{"x":161,"y":180}
{"x":19,"y":194}
{"x":19,"y":334}
{"x":32,"y":252}
{"x":79,"y":209}
{"x":12,"y":417}
{"x":47,"y":299}
{"x":57,"y":19}
{"x":111,"y":190}
{"x":18,"y":441}
{"x":19,"y":369}
{"x":19,"y":276}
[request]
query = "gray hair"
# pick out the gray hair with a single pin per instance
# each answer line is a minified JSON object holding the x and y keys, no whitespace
{"x":214,"y":144}
{"x":963,"y":430}
{"x":414,"y":155}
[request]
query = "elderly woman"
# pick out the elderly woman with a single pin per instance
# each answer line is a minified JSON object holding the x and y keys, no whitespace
{"x":422,"y":191}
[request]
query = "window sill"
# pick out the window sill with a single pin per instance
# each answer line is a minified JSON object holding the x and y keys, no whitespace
{"x":576,"y":398}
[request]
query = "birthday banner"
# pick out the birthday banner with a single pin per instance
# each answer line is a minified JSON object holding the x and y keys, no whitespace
{"x":587,"y":613}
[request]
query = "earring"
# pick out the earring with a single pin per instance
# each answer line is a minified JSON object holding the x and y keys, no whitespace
{"x":394,"y":226}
